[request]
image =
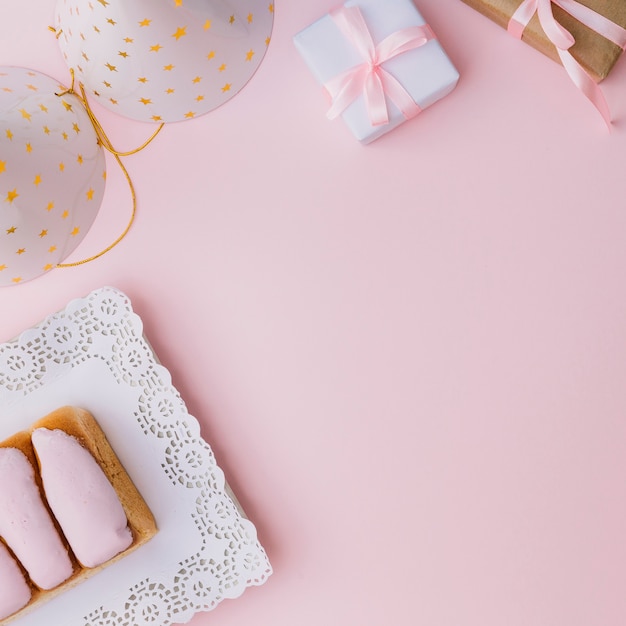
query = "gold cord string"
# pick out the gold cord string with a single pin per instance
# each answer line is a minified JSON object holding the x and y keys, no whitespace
{"x":104,"y":141}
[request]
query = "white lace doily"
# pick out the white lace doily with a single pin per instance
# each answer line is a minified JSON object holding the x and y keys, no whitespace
{"x":93,"y":354}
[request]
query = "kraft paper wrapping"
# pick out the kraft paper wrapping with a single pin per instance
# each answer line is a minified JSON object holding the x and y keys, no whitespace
{"x":595,"y":53}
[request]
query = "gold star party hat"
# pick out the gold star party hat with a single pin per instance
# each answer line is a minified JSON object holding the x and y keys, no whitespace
{"x":52,"y":174}
{"x":163,"y":60}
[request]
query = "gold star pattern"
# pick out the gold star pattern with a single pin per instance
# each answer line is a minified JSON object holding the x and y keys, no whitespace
{"x":17,"y":279}
{"x":43,"y":233}
{"x":29,"y":148}
{"x":49,"y":206}
{"x":20,"y":251}
{"x":75,"y":231}
{"x":157,"y":118}
{"x":189,"y":114}
{"x":67,"y":105}
{"x":90,"y":194}
{"x":46,"y":130}
{"x":65,"y":214}
{"x":3,"y":166}
{"x":111,"y":21}
{"x":11,"y":195}
{"x":267,"y":41}
{"x":47,"y":267}
{"x":37,"y":180}
{"x":32,"y":87}
{"x":2,"y":267}
{"x":79,"y":159}
{"x":103,"y":3}
{"x":9,"y":134}
{"x":76,"y":127}
{"x":52,"y":249}
{"x":44,"y":108}
{"x":25,"y":114}
{"x":106,"y":84}
{"x":65,"y":136}
{"x":179,"y":77}
{"x":11,"y":230}
{"x":61,"y":167}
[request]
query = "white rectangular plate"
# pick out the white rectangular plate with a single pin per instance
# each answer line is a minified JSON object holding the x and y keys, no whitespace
{"x":93,"y":354}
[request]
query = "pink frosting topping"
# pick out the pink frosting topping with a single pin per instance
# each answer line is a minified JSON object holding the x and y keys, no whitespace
{"x":26,"y":525}
{"x":14,"y":590}
{"x":81,"y":498}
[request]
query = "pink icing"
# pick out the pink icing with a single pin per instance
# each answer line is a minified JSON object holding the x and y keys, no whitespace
{"x":81,"y":498}
{"x":14,"y":590}
{"x":26,"y":525}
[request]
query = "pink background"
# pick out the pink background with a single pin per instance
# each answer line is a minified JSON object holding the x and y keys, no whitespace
{"x":409,"y":358}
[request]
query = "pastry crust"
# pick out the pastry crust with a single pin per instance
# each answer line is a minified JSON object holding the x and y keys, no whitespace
{"x":80,"y":424}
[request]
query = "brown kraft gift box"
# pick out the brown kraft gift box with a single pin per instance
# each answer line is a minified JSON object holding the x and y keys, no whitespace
{"x":596,"y":54}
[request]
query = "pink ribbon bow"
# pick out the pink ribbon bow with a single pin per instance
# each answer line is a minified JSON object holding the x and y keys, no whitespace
{"x":563,"y":40}
{"x":370,"y":78}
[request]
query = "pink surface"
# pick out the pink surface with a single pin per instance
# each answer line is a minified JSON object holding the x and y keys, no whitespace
{"x":408,"y":357}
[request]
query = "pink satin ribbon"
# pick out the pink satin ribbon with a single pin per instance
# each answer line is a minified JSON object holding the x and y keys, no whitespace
{"x":369,"y":78}
{"x":563,"y":40}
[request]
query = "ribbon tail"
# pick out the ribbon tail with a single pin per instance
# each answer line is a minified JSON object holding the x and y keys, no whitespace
{"x":558,"y":35}
{"x":344,"y":89}
{"x":399,"y":95}
{"x":586,"y":84}
{"x":375,"y":99}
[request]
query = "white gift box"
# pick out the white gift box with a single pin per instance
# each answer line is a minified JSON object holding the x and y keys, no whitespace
{"x":425,"y":72}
